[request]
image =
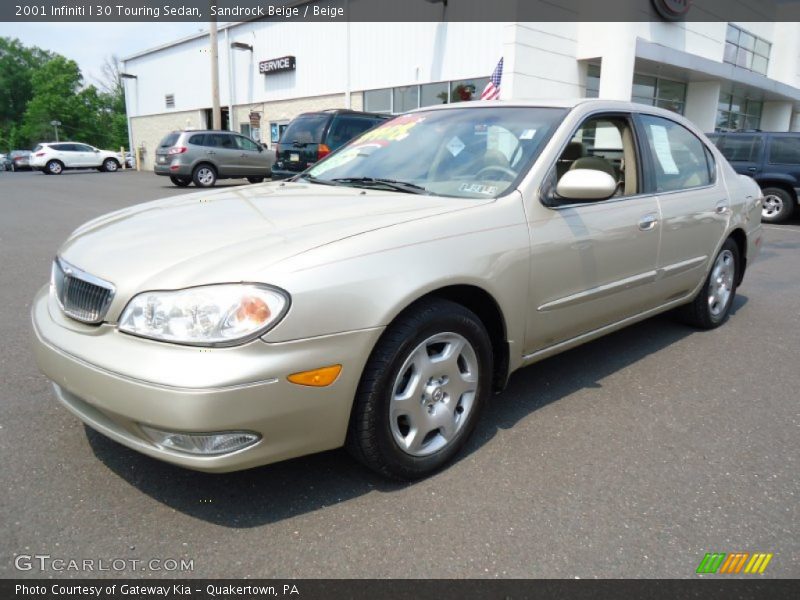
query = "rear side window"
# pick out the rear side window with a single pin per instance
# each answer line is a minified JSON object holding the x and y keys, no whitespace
{"x":679,"y":157}
{"x":169,"y":140}
{"x":305,"y":129}
{"x":197,"y":139}
{"x":784,"y":150}
{"x":740,"y":148}
{"x":346,"y":127}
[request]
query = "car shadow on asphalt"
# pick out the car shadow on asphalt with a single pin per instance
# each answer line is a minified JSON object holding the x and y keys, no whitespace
{"x":284,"y":490}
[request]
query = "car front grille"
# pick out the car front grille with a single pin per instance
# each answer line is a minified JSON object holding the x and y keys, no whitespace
{"x":81,"y":295}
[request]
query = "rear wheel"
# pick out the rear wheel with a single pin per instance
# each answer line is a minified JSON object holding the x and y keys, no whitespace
{"x":777,"y":206}
{"x":421,"y":391}
{"x":180,"y":181}
{"x":255,"y":179}
{"x":712,"y":306}
{"x":204,"y":176}
{"x":54,"y":167}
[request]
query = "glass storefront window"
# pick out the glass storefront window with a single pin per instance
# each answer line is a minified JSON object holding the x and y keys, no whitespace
{"x":663,"y":93}
{"x":746,"y":50}
{"x":467,"y":89}
{"x":405,"y":99}
{"x":433,"y":93}
{"x":379,"y":101}
{"x":593,"y":81}
{"x":737,"y":112}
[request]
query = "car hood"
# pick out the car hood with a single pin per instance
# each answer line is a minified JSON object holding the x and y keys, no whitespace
{"x":234,"y":234}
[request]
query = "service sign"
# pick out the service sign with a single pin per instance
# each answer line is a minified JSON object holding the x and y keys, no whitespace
{"x":277,"y":65}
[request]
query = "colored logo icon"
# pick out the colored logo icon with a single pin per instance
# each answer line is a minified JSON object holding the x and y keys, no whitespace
{"x":734,"y":563}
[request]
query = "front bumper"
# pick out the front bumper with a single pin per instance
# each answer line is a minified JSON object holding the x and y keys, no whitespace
{"x":115,"y":383}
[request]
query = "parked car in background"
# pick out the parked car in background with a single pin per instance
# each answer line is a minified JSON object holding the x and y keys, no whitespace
{"x":20,"y":160}
{"x":204,"y":156}
{"x":4,"y":162}
{"x":773,"y":160}
{"x":130,"y":162}
{"x":379,"y":299}
{"x":53,"y":158}
{"x":312,"y":136}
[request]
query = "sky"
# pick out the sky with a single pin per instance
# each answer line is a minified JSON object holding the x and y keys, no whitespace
{"x":89,"y":44}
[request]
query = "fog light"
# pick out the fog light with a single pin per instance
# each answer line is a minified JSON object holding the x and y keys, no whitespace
{"x":205,"y":444}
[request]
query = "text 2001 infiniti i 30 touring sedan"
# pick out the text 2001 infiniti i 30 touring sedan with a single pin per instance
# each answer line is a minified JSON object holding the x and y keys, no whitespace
{"x":380,"y":298}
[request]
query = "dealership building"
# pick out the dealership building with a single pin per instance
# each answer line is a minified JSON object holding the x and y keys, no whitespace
{"x":722,"y":76}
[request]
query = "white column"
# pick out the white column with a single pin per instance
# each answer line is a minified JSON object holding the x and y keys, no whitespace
{"x":619,"y":57}
{"x":777,"y":116}
{"x":796,"y":122}
{"x":702,"y":101}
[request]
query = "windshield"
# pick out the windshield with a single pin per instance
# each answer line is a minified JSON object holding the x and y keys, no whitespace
{"x":462,"y":152}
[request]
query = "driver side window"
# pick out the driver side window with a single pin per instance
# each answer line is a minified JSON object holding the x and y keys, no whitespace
{"x":606,"y":144}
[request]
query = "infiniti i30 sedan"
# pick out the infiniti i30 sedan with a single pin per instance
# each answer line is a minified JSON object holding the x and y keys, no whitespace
{"x":378,"y":300}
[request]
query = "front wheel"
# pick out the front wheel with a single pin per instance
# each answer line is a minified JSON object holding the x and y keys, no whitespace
{"x":712,"y":306}
{"x":421,"y":391}
{"x":180,"y":181}
{"x":110,"y":165}
{"x":777,"y":206}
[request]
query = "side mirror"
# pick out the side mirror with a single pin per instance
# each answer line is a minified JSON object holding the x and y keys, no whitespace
{"x":584,"y":185}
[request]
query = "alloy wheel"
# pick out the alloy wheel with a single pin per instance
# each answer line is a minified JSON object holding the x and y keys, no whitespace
{"x":721,"y":284}
{"x":772,"y":205}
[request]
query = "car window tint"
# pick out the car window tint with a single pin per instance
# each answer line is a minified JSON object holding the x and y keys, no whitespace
{"x":222,"y":140}
{"x":246,"y":144}
{"x":84,"y":148}
{"x":305,"y":130}
{"x":740,"y":147}
{"x":169,"y":140}
{"x":784,"y":150}
{"x":345,"y":127}
{"x":68,"y":148}
{"x":36,"y":149}
{"x":679,"y":157}
{"x":197,"y":139}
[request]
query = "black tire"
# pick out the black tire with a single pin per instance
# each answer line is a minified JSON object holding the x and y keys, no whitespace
{"x":777,"y":206}
{"x":180,"y":181}
{"x":255,"y":179}
{"x":204,"y":175}
{"x":54,"y":167}
{"x":372,"y":434}
{"x":110,"y":166}
{"x":703,"y":312}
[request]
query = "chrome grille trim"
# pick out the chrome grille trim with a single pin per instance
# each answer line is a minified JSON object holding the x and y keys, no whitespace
{"x":81,"y":295}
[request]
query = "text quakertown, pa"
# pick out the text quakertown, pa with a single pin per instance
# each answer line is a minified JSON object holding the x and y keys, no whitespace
{"x":166,"y":591}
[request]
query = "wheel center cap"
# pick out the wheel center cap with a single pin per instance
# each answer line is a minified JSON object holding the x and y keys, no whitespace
{"x":437,"y":395}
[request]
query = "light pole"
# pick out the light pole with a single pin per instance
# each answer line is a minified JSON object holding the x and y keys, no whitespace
{"x":55,"y":125}
{"x":135,"y":156}
{"x":231,"y":88}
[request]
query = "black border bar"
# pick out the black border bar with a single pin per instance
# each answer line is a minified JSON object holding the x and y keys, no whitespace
{"x":403,"y":589}
{"x":153,"y":11}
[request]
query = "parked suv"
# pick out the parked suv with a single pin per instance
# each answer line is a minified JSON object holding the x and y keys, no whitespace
{"x":19,"y":160}
{"x":52,"y":158}
{"x":203,"y":157}
{"x":773,"y":160}
{"x":312,"y":136}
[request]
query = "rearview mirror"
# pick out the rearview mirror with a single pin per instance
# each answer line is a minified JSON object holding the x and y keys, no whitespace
{"x":586,"y":185}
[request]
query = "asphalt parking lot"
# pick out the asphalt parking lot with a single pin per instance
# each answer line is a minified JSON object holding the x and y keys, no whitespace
{"x":631,"y":456}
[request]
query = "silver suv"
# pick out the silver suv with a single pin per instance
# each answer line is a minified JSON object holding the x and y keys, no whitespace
{"x":203,"y":157}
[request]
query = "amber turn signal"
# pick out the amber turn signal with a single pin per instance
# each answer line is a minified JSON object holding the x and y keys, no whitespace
{"x":318,"y":377}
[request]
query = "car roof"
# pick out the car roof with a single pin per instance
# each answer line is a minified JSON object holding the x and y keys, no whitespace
{"x":344,"y":111}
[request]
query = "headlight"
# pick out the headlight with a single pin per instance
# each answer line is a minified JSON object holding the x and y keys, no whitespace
{"x":212,"y":315}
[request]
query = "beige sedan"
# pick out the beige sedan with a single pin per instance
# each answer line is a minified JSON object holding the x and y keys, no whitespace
{"x":379,"y":299}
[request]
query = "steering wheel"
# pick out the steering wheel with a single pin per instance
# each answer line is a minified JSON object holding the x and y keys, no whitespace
{"x":497,"y":169}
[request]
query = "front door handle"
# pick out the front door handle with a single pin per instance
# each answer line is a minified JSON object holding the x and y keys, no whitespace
{"x":648,"y":222}
{"x":752,"y":169}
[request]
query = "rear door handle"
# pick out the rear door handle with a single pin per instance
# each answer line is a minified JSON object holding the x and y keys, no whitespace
{"x":722,"y":207}
{"x":752,"y":169}
{"x":210,"y":152}
{"x":648,"y":222}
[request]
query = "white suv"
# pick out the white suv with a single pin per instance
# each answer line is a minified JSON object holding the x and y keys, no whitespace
{"x":53,"y":157}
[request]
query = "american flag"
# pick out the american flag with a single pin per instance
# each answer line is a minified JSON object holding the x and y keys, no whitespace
{"x":492,"y":89}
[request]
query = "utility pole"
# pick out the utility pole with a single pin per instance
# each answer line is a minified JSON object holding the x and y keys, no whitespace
{"x":55,"y":125}
{"x":215,"y":109}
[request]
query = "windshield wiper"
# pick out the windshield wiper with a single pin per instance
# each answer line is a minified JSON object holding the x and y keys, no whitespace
{"x":371,"y":182}
{"x":313,"y":179}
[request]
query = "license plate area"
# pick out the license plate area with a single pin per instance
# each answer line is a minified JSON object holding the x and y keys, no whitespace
{"x":294,"y":157}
